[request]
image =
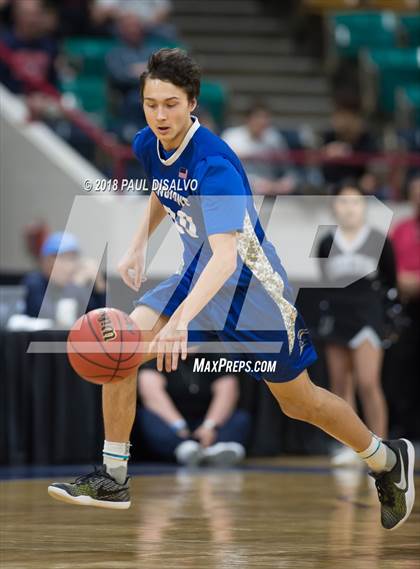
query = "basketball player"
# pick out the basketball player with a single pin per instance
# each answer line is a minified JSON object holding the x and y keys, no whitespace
{"x":232,"y":288}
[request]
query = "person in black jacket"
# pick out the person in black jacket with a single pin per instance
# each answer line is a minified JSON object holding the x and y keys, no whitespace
{"x":192,"y":417}
{"x":353,"y":323}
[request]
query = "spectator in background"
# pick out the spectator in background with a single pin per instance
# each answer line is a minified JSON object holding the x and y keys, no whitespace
{"x":258,"y":137}
{"x":406,"y":355}
{"x":127,"y":61}
{"x":69,"y":276}
{"x":348,"y":135}
{"x":192,"y":417}
{"x":73,"y":17}
{"x":154,"y":14}
{"x":375,"y":181}
{"x":34,"y":50}
{"x":353,"y":317}
{"x":406,"y":240}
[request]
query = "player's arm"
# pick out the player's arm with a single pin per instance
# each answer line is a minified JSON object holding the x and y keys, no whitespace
{"x":221,"y":265}
{"x":172,"y":339}
{"x":131,"y":267}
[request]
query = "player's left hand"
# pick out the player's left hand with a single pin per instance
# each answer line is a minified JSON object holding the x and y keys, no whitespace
{"x":169,"y":343}
{"x":205,"y":435}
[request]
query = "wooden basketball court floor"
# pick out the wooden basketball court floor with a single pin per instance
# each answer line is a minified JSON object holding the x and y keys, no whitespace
{"x":277,"y":513}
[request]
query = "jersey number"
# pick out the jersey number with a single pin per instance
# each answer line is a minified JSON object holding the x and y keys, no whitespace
{"x":183,"y":222}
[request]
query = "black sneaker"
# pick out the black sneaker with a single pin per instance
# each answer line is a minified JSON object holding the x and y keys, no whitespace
{"x":97,"y":488}
{"x":396,"y":488}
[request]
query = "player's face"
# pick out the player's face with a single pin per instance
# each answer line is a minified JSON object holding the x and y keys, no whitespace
{"x":167,"y":110}
{"x":349,"y":209}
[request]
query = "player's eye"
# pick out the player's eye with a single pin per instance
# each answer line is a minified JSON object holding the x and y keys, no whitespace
{"x":150,"y":106}
{"x":171,"y":105}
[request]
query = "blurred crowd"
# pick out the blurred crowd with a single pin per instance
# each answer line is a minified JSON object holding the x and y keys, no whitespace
{"x":42,"y":36}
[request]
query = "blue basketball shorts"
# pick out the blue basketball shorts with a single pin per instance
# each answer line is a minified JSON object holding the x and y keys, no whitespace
{"x":246,"y":324}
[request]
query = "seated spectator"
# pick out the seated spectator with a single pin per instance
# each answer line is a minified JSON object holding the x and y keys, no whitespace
{"x":69,"y":276}
{"x":73,"y":18}
{"x":154,"y":14}
{"x":375,"y":182}
{"x":257,"y":138}
{"x":192,"y":417}
{"x":348,"y":135}
{"x":34,"y":50}
{"x":125,"y":63}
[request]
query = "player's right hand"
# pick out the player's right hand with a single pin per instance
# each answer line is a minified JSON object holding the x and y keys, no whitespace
{"x":131,"y":269}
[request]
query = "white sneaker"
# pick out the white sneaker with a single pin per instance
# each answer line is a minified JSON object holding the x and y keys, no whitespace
{"x":345,"y":457}
{"x":189,"y":453}
{"x":223,"y":454}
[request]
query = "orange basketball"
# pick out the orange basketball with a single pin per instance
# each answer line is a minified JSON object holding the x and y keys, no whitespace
{"x":103,"y":346}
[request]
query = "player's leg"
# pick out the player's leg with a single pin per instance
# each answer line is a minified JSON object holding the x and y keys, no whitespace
{"x":391,"y":463}
{"x":108,"y":487}
{"x":301,"y":399}
{"x":119,"y":399}
{"x":367,"y":360}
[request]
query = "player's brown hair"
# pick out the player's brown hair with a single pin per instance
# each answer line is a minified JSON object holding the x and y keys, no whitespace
{"x":175,"y":66}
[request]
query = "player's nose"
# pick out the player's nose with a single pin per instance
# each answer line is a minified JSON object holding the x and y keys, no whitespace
{"x":161,"y":115}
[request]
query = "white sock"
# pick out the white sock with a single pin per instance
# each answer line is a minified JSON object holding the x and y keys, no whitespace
{"x":116,"y":457}
{"x":378,"y":456}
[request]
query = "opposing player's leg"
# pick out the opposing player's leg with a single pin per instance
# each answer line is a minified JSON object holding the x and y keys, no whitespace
{"x":108,"y":486}
{"x":391,"y":462}
{"x":341,"y":382}
{"x":368,"y":364}
{"x":340,"y":372}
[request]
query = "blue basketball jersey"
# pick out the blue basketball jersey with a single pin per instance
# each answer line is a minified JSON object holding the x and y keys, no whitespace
{"x":205,"y":191}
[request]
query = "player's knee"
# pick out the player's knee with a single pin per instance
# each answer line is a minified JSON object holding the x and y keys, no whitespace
{"x":305,"y":408}
{"x":368,"y":388}
{"x":294,"y":410}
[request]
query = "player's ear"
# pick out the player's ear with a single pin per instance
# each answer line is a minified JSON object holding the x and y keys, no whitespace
{"x":193,"y":104}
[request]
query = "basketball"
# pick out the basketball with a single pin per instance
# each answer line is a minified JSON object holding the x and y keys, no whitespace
{"x":103,"y":346}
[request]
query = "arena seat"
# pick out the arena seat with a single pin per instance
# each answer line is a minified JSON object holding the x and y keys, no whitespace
{"x":410,"y":27}
{"x":213,"y":98}
{"x":90,"y":93}
{"x":88,"y":54}
{"x":391,"y":68}
{"x":352,"y":31}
